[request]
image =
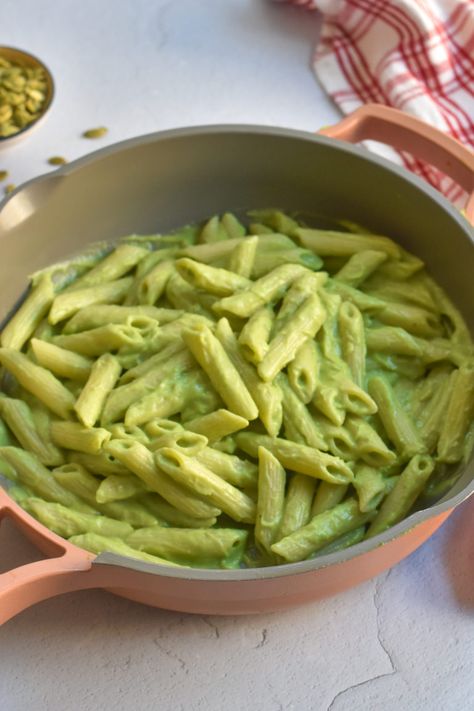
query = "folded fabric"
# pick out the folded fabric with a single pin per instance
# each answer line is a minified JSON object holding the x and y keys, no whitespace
{"x":417,"y":56}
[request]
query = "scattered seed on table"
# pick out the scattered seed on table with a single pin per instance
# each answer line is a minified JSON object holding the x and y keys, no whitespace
{"x":9,"y":188}
{"x":57,"y":160}
{"x":95,"y":132}
{"x":3,"y":174}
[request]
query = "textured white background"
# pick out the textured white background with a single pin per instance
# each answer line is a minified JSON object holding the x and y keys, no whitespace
{"x":402,"y":642}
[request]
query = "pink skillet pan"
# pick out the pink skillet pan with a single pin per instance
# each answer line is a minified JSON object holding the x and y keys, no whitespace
{"x":164,"y":180}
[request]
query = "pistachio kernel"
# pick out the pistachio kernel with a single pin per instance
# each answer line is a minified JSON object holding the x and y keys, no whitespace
{"x":57,"y":160}
{"x":95,"y":132}
{"x":9,"y":188}
{"x":23,"y":93}
{"x":3,"y":174}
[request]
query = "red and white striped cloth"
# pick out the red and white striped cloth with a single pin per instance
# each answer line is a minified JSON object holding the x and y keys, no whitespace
{"x":415,"y":55}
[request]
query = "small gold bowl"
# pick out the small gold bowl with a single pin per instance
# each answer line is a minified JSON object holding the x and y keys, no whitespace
{"x":25,"y":60}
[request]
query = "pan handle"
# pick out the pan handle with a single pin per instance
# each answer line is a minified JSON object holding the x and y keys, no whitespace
{"x":408,"y":133}
{"x":64,"y":571}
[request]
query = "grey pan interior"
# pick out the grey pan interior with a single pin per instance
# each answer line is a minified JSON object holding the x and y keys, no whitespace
{"x":164,"y":180}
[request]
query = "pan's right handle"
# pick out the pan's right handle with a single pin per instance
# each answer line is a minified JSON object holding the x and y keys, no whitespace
{"x":65,"y":571}
{"x":408,"y":133}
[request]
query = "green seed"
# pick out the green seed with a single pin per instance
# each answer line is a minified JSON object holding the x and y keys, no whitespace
{"x":95,"y":132}
{"x":8,"y":129}
{"x":57,"y":160}
{"x":3,"y":174}
{"x":9,"y":188}
{"x":5,"y":113}
{"x":22,"y":96}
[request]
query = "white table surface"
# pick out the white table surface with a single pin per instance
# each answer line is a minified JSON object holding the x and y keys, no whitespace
{"x":401,"y":642}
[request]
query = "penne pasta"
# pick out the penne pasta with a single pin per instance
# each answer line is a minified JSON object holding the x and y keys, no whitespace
{"x":271,"y":498}
{"x":103,"y":376}
{"x":222,"y":373}
{"x":24,"y":322}
{"x":68,"y":303}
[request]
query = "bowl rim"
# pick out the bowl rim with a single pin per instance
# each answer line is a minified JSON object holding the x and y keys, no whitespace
{"x":49,"y":101}
{"x":445,"y":505}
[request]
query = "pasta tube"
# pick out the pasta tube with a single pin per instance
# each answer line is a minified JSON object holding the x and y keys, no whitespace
{"x":343,"y":542}
{"x":217,"y":424}
{"x":255,"y":334}
{"x":360,"y":266}
{"x":120,"y":399}
{"x":193,"y":444}
{"x":213,"y":231}
{"x":138,"y":459}
{"x":327,"y":497}
{"x":303,"y":371}
{"x":152,"y":259}
{"x":94,"y":543}
{"x":163,"y":355}
{"x":297,"y":509}
{"x":328,"y":243}
{"x":28,"y":317}
{"x":216,"y":281}
{"x":193,"y":474}
{"x":38,"y":381}
{"x":369,"y":446}
{"x":76,"y":479}
{"x":298,"y":457}
{"x":116,"y":488}
{"x":170,"y":515}
{"x":409,"y":486}
{"x":396,"y":341}
{"x":103,"y":376}
{"x":305,"y":323}
{"x":121,"y":431}
{"x":415,"y":320}
{"x":232,"y":226}
{"x":458,"y":415}
{"x":19,"y":418}
{"x":322,"y":529}
{"x":242,"y":257}
{"x":271,"y":498}
{"x":370,"y":485}
{"x":94,"y":316}
{"x":261,"y":292}
{"x":204,"y":547}
{"x":115,"y":265}
{"x":397,"y":424}
{"x":39,"y":479}
{"x":73,"y":435}
{"x":170,"y":397}
{"x":238,"y":472}
{"x":151,"y":287}
{"x":352,"y":334}
{"x":67,"y":522}
{"x":435,"y":413}
{"x":297,"y":418}
{"x":302,"y":287}
{"x":102,"y":464}
{"x":69,"y":302}
{"x":213,"y":359}
{"x":60,"y":361}
{"x":102,"y":339}
{"x":267,"y":396}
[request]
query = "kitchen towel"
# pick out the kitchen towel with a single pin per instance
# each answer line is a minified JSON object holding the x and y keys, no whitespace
{"x":414,"y":55}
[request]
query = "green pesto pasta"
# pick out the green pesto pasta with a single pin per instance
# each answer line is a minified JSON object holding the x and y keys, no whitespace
{"x":249,"y":390}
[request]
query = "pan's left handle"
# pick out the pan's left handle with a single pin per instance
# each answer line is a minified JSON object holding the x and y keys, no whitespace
{"x":66,"y":569}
